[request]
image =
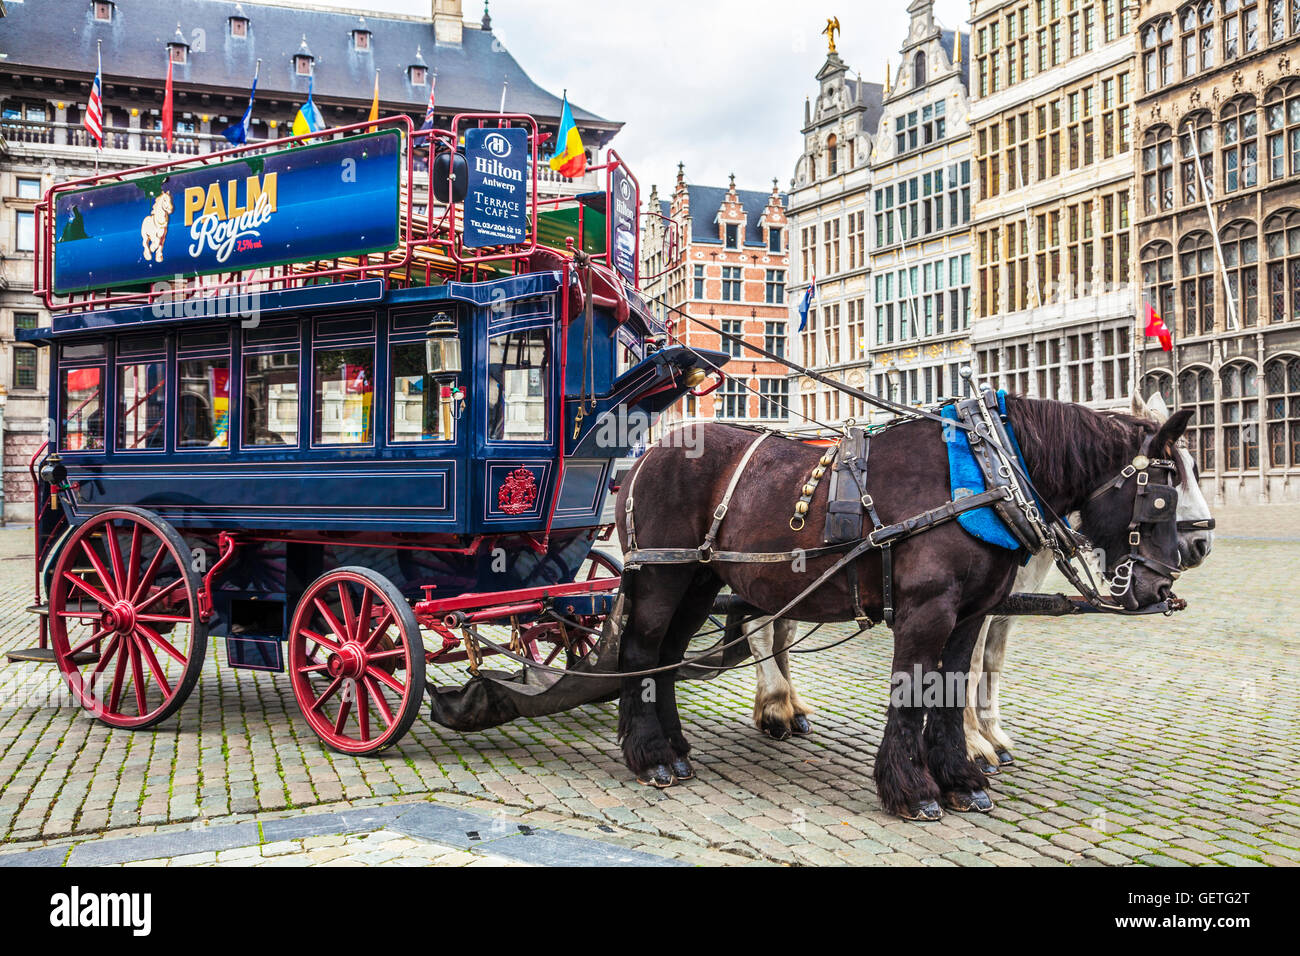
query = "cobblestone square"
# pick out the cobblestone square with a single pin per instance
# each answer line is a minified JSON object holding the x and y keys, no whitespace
{"x":1165,"y":741}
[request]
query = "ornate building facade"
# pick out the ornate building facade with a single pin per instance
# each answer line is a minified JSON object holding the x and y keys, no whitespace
{"x":830,"y":223}
{"x":920,"y":219}
{"x":49,"y":63}
{"x":723,"y":254}
{"x":1219,"y":245}
{"x":1053,"y":87}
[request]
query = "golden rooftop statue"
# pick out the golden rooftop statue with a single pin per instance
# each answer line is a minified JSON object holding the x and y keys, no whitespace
{"x":832,"y":28}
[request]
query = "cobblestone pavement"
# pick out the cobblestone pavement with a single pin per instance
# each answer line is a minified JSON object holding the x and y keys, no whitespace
{"x":1159,"y":741}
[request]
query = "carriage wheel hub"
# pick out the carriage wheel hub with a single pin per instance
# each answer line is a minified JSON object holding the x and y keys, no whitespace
{"x":349,"y":661}
{"x":120,"y":617}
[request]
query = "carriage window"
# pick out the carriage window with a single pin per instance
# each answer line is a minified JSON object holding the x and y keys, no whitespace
{"x":422,"y":405}
{"x":271,"y":399}
{"x":140,"y":392}
{"x":203,"y":419}
{"x":343,"y":398}
{"x":518,"y":386}
{"x":82,"y":409}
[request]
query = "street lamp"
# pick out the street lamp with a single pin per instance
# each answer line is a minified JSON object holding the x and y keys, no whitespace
{"x":895,"y":378}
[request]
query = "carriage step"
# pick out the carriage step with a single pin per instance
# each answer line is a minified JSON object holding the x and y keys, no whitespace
{"x":45,"y":655}
{"x":40,"y":609}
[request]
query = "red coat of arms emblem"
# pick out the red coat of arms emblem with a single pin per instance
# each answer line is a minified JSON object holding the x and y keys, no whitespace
{"x":518,"y":492}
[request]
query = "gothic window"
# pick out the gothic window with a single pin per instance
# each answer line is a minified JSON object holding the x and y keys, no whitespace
{"x":1158,"y":53}
{"x":1196,"y":391}
{"x":1196,"y":141}
{"x":1198,"y":273}
{"x":1282,"y":237}
{"x":1282,"y":119}
{"x":1158,"y":277}
{"x":1241,"y":256}
{"x":1158,"y":170}
{"x":1239,"y":406}
{"x":832,"y":155}
{"x":1240,"y":146}
{"x":918,"y":69}
{"x":1282,"y":409}
{"x":1158,"y":383}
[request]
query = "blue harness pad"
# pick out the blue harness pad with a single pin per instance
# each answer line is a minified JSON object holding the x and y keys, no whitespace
{"x":966,"y":478}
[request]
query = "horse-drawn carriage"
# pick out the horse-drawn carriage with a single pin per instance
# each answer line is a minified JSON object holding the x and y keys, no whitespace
{"x":340,"y":422}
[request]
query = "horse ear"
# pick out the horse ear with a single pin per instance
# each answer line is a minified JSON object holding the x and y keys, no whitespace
{"x":1172,"y":430}
{"x":1158,"y":409}
{"x":1140,"y":409}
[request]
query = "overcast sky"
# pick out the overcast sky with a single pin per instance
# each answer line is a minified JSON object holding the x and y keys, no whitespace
{"x":717,"y":84}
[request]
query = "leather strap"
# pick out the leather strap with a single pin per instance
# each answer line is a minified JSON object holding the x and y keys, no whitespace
{"x":720,"y":512}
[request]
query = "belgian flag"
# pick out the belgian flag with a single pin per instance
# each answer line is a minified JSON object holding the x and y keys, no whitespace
{"x":570,"y":157}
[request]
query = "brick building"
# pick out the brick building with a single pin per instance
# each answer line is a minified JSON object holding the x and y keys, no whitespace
{"x":48,"y":63}
{"x":1218,"y":87}
{"x":722,"y":254}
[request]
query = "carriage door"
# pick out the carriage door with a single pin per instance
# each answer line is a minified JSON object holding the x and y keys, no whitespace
{"x":515,"y":434}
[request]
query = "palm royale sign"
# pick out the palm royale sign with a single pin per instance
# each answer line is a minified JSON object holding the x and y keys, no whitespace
{"x":321,"y":201}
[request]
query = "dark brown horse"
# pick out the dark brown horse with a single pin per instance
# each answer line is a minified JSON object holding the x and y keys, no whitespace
{"x":946,"y":581}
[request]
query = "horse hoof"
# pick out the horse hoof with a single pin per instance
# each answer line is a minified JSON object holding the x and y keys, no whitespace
{"x":683,"y":770}
{"x":988,"y":768}
{"x":973,"y":801}
{"x":801,"y":726}
{"x":925,"y":812}
{"x":658,"y":776}
{"x":776,"y":731}
{"x":1005,"y":758}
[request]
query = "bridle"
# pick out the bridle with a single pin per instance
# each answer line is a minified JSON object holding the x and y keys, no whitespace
{"x":1155,"y":505}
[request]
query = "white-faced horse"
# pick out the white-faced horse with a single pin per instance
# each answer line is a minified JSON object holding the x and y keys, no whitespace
{"x":153,"y":231}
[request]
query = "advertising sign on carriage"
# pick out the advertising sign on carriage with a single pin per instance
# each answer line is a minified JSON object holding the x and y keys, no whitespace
{"x":320,"y":201}
{"x":623,"y":200}
{"x":496,"y":204}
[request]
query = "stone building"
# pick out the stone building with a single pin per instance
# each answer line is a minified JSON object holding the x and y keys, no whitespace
{"x":1219,"y":246}
{"x":48,"y":63}
{"x":1053,"y":84}
{"x":919,"y":220}
{"x":830,"y":227}
{"x":722,"y":254}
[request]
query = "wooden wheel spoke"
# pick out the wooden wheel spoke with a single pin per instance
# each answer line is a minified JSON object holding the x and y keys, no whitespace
{"x":133,"y":560}
{"x":363,"y":709}
{"x":93,"y":639}
{"x":158,"y":595}
{"x":345,"y":708}
{"x":152,"y":660}
{"x":163,"y":618}
{"x":350,"y":620}
{"x":397,"y":652}
{"x":98,"y":595}
{"x":151,"y":572}
{"x":312,"y":668}
{"x":151,"y":635}
{"x":137,"y":677}
{"x":115,"y":697}
{"x":339,"y":630}
{"x":363,"y":616}
{"x":105,"y":580}
{"x":384,"y":623}
{"x":321,"y":640}
{"x":378,"y":697}
{"x":387,"y":679}
{"x":327,"y":693}
{"x":115,"y":558}
{"x":114,"y":645}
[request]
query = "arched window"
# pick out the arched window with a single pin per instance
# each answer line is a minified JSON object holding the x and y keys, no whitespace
{"x":832,"y":155}
{"x":1158,"y":53}
{"x":1241,"y":256}
{"x":1158,"y":383}
{"x":1282,"y":118}
{"x":1158,"y":278}
{"x":1282,"y":242}
{"x":1196,"y":141}
{"x":1282,"y":387}
{"x":1196,"y":24}
{"x":1196,"y":391}
{"x":1240,"y":146}
{"x":1158,"y":169}
{"x":918,"y":69}
{"x":1240,"y":28}
{"x":1239,"y":404}
{"x":1197,"y":270}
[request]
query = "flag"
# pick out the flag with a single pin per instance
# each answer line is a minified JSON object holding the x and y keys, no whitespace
{"x":309,"y":119}
{"x":94,"y":118}
{"x":168,"y":119}
{"x":808,"y":296}
{"x":374,"y":103}
{"x":428,"y":113}
{"x":1156,"y":328}
{"x":237,"y":133}
{"x":570,"y":157}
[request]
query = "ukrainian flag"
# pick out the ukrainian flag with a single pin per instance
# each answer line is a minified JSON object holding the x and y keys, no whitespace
{"x":570,"y":157}
{"x":309,"y":119}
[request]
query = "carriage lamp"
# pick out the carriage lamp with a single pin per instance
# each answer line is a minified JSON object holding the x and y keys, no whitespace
{"x":895,"y":377}
{"x":442,"y":347}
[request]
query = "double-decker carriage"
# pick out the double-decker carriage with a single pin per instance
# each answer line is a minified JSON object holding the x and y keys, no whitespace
{"x":331,"y":413}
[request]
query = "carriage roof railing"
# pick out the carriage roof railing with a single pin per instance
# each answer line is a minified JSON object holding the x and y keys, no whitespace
{"x":429,"y":250}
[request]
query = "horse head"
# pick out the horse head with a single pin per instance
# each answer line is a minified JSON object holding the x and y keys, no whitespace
{"x":1195,"y":522}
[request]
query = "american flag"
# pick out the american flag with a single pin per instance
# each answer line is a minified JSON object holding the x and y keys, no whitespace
{"x":94,"y":119}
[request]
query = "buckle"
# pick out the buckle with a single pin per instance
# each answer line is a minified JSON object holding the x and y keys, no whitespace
{"x":1134,"y":539}
{"x":720,"y":512}
{"x":868,"y":502}
{"x":1143,"y":479}
{"x":706,"y":553}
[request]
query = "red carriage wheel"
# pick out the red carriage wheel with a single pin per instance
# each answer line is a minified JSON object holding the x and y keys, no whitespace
{"x":356,"y":660}
{"x":124,"y":618}
{"x":598,"y":565}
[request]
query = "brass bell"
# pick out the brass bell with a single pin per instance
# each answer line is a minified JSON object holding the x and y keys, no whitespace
{"x":808,"y":489}
{"x":801,"y":507}
{"x":694,"y":377}
{"x":818,"y":472}
{"x":828,"y":458}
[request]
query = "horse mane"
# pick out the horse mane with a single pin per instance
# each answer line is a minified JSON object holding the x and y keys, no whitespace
{"x":1070,"y":449}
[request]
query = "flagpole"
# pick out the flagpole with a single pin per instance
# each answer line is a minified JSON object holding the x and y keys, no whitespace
{"x":99,"y":72}
{"x":1214,"y":230}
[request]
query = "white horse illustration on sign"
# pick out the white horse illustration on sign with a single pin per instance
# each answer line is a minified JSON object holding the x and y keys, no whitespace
{"x":153,"y":231}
